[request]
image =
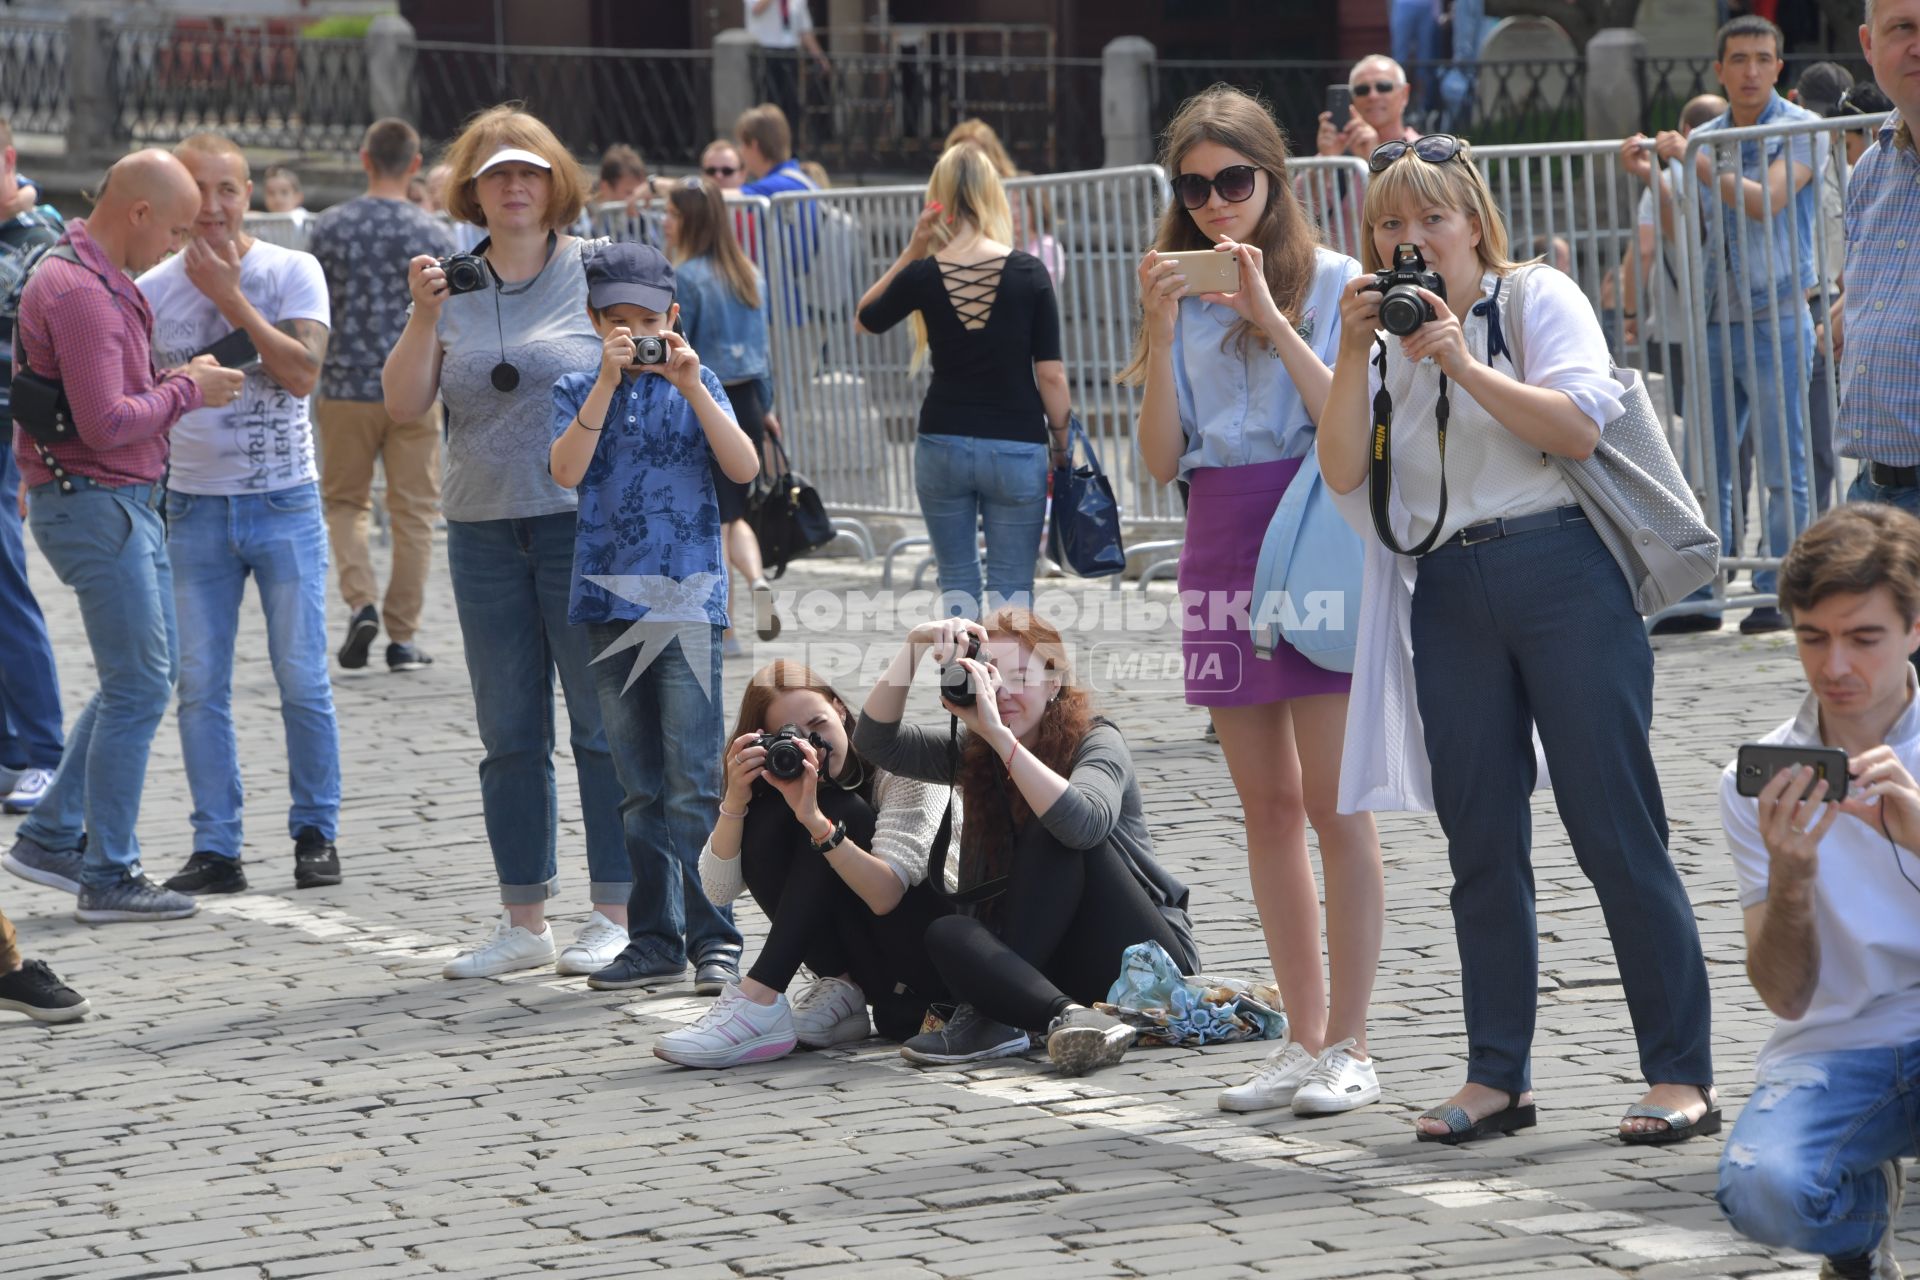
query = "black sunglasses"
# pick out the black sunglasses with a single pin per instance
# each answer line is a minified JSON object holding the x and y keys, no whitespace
{"x":1382,"y":87}
{"x":1235,"y":184}
{"x":1434,"y":148}
{"x":720,"y":171}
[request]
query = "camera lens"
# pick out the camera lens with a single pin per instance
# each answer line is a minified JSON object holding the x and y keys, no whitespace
{"x":1402,"y":311}
{"x":649,"y":350}
{"x":784,"y":760}
{"x":956,"y":685}
{"x":463,"y":274}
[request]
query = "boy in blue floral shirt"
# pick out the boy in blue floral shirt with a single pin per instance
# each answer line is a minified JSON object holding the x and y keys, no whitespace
{"x":650,"y":586}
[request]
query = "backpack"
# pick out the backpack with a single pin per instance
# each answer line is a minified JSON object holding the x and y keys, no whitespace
{"x":23,"y":243}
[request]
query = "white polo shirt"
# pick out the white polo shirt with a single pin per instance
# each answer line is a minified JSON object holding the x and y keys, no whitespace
{"x":1866,"y":912}
{"x":780,"y":24}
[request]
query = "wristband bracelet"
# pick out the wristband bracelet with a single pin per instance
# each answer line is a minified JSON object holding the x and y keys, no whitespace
{"x":584,"y":427}
{"x":1012,"y":751}
{"x":728,"y":813}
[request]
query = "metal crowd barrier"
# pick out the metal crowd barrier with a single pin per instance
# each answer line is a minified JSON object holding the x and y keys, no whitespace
{"x":288,"y":230}
{"x":1331,"y":189}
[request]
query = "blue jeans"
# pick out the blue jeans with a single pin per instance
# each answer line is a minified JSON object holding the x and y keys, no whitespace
{"x":1864,"y":490}
{"x":510,"y":584}
{"x":1538,"y":630}
{"x":1801,"y":1168}
{"x":280,"y":541}
{"x":960,"y":479}
{"x":30,"y":736}
{"x":110,"y":547}
{"x":1753,"y":385}
{"x":1414,"y":35}
{"x":667,"y":740}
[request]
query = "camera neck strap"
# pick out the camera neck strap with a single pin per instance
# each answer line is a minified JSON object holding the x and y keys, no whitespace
{"x":937,"y":854}
{"x":1380,"y":471}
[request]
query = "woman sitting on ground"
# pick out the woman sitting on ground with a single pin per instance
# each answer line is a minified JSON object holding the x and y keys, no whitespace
{"x":1056,"y":867}
{"x":835,"y":854}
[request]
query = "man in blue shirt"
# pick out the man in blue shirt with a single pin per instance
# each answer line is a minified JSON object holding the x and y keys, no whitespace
{"x":1759,"y":214}
{"x":1875,"y":343}
{"x":634,"y":436}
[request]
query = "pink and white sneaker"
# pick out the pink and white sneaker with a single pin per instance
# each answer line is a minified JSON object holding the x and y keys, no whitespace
{"x":733,"y":1031}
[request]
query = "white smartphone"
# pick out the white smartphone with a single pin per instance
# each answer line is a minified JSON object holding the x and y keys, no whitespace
{"x":1207,"y":270}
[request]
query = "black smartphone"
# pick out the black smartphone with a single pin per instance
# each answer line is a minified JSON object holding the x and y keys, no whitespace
{"x":1757,"y":762}
{"x":1340,"y":104}
{"x":235,"y":351}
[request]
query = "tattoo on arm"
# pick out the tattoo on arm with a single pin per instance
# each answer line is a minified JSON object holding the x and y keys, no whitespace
{"x":311,"y":334}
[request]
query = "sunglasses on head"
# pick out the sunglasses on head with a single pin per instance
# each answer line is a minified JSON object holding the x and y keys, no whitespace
{"x":1434,"y":148}
{"x":1382,"y":87}
{"x":720,"y":170}
{"x":1235,"y":184}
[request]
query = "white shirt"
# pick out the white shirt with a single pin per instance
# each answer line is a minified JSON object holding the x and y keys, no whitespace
{"x":1663,"y":308}
{"x":263,"y":441}
{"x":1866,"y":913}
{"x":771,"y":31}
{"x":1490,"y":471}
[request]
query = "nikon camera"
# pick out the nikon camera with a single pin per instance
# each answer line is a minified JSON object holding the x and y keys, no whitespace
{"x":1402,"y":309}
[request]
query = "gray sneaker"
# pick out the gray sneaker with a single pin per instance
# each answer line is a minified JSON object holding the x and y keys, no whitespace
{"x":1082,"y":1040}
{"x":57,"y":869}
{"x":133,"y":898}
{"x":968,"y":1037}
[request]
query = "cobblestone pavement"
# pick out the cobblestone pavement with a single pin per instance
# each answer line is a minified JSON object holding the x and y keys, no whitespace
{"x":284,"y":1086}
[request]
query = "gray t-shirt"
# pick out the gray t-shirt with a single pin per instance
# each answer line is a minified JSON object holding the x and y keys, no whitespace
{"x":498,"y":441}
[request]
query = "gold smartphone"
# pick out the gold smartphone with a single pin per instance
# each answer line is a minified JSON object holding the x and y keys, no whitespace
{"x":1207,"y":270}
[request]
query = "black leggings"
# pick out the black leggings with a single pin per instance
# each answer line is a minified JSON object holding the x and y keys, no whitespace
{"x":816,"y":919}
{"x":1066,"y":918}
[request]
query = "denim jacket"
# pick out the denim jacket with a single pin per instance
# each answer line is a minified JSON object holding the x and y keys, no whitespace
{"x":730,"y":336}
{"x":1791,"y":259}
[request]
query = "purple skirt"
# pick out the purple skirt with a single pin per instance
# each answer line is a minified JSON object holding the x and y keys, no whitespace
{"x":1228,"y":511}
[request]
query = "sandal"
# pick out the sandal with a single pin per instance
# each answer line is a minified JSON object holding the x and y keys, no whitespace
{"x":1678,"y":1129}
{"x":1462,"y":1127}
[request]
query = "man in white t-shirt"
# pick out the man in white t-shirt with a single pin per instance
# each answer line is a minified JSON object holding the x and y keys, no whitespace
{"x":243,"y":501}
{"x":782,"y":28}
{"x":1831,"y":894}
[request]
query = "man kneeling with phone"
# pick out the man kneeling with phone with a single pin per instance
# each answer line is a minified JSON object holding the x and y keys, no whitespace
{"x":1825,"y":852}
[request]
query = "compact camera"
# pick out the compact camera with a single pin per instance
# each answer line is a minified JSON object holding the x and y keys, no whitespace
{"x":466,"y":273}
{"x":650,"y":350}
{"x":956,"y":684}
{"x":784,"y":758}
{"x":1402,"y":309}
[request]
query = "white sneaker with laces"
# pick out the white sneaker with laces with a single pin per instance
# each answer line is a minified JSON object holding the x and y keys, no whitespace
{"x":506,"y":949}
{"x":1338,"y":1082}
{"x":1274,"y":1084}
{"x":597,"y":945}
{"x":831,"y":1011}
{"x":733,"y":1031}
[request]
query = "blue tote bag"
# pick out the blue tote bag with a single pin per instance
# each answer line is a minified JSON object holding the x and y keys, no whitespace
{"x":1084,"y":533}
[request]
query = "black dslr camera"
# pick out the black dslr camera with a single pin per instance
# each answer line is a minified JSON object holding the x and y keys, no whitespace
{"x":784,"y":758}
{"x":650,"y":350}
{"x":956,"y":685}
{"x":466,"y":273}
{"x":1402,"y":309}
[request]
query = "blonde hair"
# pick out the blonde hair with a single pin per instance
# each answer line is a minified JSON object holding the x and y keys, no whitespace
{"x":509,"y":125}
{"x":1285,"y":236}
{"x":1411,"y":183}
{"x":967,"y":187}
{"x":979,"y":133}
{"x":706,"y":229}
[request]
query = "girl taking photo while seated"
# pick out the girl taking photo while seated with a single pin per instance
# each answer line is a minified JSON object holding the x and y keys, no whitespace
{"x":1057,"y":875}
{"x":1520,"y":618}
{"x":1232,"y":385}
{"x":834,"y":851}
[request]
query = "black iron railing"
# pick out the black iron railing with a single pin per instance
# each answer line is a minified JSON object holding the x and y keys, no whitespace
{"x":258,"y":88}
{"x":33,"y":76}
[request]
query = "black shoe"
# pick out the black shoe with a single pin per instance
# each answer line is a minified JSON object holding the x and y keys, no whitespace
{"x":1686,"y":624}
{"x":711,"y":976}
{"x":315,"y":861}
{"x":33,"y":990}
{"x":1763,"y":620}
{"x":1082,"y":1040}
{"x":967,"y":1037}
{"x":132,"y":898}
{"x":209,"y":873}
{"x":638,"y":969}
{"x":407,"y":657}
{"x":360,"y":633}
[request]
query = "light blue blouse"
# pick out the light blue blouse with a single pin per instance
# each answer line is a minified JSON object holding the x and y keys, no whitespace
{"x":1238,"y":408}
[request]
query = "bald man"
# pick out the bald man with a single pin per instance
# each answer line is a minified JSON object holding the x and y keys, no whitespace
{"x":93,"y":503}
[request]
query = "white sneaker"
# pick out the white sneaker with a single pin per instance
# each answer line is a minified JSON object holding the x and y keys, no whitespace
{"x":506,"y":949}
{"x":597,"y":945}
{"x":831,"y":1011}
{"x":1273,"y":1085}
{"x":27,"y":789}
{"x":1338,"y":1082}
{"x":733,"y":1031}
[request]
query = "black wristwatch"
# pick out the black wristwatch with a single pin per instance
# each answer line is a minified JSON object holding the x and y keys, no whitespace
{"x":833,"y":839}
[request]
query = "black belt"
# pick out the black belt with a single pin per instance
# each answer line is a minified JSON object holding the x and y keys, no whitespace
{"x":1492,"y":529}
{"x":1893,"y":477}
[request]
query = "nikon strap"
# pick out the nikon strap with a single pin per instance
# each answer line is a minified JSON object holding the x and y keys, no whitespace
{"x":1380,"y":470}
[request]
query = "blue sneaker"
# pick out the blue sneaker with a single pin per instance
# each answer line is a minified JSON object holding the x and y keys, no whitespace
{"x":57,"y":869}
{"x":27,"y":790}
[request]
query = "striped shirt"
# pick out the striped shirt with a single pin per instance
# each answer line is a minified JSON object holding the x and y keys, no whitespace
{"x":88,"y":326}
{"x":1879,"y":381}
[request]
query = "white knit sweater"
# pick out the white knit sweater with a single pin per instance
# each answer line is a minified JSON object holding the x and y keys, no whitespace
{"x":907,"y":815}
